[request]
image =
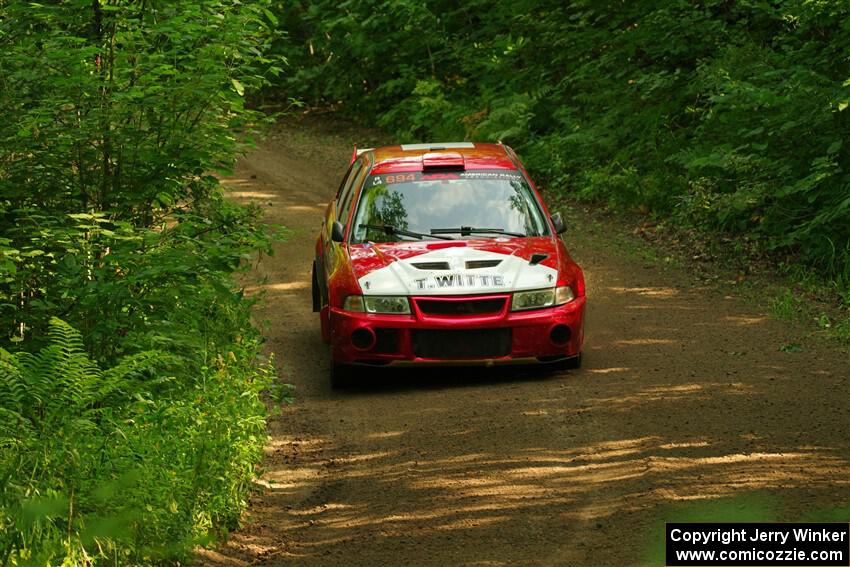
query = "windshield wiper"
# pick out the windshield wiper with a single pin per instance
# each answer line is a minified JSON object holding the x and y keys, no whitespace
{"x":391,"y":230}
{"x":467,"y":230}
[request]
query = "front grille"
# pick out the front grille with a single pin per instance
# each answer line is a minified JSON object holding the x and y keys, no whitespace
{"x":465,"y":344}
{"x":461,"y":306}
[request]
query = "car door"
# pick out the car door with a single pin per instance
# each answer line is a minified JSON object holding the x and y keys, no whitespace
{"x":339,"y":210}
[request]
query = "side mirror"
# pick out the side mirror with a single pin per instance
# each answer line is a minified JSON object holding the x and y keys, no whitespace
{"x":337,"y":232}
{"x":558,"y":222}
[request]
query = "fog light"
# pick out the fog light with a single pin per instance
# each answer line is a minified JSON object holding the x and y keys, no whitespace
{"x":363,"y":339}
{"x":560,"y":335}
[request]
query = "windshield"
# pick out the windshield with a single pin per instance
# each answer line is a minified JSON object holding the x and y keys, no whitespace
{"x":452,"y":204}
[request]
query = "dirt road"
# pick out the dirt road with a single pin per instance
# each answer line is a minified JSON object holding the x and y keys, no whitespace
{"x":685,"y":407}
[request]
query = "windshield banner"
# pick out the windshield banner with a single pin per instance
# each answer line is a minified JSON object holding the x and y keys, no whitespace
{"x":391,"y":179}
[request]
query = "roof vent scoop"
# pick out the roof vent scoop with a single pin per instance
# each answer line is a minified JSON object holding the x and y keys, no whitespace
{"x":477,"y":264}
{"x":437,"y":146}
{"x":431,"y":265}
{"x":537,"y":258}
{"x":443,"y":161}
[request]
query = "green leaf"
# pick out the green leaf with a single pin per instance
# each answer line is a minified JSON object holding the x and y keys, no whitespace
{"x":272,"y":18}
{"x":238,"y":86}
{"x":9,"y":266}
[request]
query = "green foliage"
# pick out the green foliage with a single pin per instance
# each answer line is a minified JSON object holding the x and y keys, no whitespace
{"x":120,"y":110}
{"x":135,"y":288}
{"x":115,"y":113}
{"x":123,"y":105}
{"x":720,"y":115}
{"x":126,"y":465}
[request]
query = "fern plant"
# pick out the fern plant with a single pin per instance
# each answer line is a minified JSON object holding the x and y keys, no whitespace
{"x":125,"y":465}
{"x":57,"y":413}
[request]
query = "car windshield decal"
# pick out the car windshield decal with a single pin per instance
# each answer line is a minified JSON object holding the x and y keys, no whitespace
{"x":392,"y":178}
{"x":500,"y":201}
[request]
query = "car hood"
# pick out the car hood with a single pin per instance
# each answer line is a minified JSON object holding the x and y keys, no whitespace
{"x":455,"y":267}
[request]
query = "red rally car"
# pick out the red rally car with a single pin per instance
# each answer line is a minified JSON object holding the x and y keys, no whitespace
{"x":444,"y":253}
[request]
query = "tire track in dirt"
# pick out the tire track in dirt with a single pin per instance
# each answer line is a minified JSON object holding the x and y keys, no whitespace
{"x":684,"y":397}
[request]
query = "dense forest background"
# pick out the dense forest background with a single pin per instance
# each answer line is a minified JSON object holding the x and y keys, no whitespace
{"x":130,"y":410}
{"x":724,"y":115}
{"x":131,"y":413}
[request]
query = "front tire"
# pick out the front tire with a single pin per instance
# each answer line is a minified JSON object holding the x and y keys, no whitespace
{"x":317,"y":294}
{"x":342,"y":376}
{"x":572,"y":363}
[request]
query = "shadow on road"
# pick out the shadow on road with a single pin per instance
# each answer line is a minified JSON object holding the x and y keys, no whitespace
{"x":389,"y":381}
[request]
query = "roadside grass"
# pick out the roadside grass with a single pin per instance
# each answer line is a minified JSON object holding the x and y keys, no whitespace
{"x":778,"y":287}
{"x":746,"y":507}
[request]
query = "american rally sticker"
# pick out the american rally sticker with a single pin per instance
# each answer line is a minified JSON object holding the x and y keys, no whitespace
{"x":460,"y":281}
{"x":376,"y":180}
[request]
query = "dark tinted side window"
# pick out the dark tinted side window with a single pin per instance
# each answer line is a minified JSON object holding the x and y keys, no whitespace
{"x":346,"y":181}
{"x":355,"y":179}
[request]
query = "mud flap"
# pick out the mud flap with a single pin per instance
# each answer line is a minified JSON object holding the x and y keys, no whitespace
{"x":325,"y":318}
{"x":317,"y":295}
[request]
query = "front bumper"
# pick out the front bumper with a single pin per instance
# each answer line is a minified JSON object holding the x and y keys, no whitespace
{"x":539,"y":335}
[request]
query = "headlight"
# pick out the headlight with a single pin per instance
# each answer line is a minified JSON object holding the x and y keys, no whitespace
{"x":387,"y":304}
{"x":533,"y":299}
{"x":540,"y":298}
{"x":395,"y":305}
{"x":353,"y":303}
{"x":564,"y":294}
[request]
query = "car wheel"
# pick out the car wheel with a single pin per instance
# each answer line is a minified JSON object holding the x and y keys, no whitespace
{"x":317,"y":297}
{"x":342,"y":375}
{"x":572,"y":363}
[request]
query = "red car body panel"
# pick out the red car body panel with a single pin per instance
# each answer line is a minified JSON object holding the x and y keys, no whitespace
{"x":441,"y":319}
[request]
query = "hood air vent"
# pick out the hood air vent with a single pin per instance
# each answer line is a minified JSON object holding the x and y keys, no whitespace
{"x":477,"y":264}
{"x":431,"y":265}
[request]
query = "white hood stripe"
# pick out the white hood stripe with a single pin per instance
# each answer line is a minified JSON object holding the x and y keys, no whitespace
{"x":512,"y":273}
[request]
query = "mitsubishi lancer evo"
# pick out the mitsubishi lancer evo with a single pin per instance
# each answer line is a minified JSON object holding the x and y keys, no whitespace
{"x":444,"y":254}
